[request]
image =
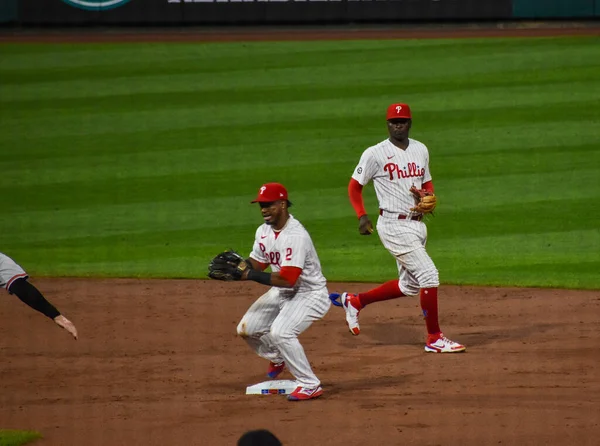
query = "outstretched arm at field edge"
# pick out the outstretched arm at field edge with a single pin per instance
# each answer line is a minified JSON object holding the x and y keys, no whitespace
{"x":356,"y":198}
{"x":66,"y":324}
{"x":31,"y":296}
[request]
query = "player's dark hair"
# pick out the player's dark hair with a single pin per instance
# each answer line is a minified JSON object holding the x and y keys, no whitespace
{"x":261,"y":437}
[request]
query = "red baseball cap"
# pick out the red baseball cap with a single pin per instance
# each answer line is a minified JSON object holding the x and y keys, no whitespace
{"x":271,"y":192}
{"x":398,"y":111}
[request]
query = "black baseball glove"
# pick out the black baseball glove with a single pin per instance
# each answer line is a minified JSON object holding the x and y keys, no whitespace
{"x":228,"y":265}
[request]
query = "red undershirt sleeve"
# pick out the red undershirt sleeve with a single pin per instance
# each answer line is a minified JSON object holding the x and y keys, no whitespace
{"x":290,"y":273}
{"x":356,"y":198}
{"x":428,"y":186}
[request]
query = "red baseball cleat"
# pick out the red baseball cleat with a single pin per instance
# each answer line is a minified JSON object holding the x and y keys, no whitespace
{"x":305,"y":393}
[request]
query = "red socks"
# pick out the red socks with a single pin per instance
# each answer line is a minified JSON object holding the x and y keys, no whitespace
{"x":387,"y":291}
{"x":429,"y":305}
{"x":391,"y":290}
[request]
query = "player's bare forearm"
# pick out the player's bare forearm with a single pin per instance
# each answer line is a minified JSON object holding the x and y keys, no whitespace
{"x":256,"y":264}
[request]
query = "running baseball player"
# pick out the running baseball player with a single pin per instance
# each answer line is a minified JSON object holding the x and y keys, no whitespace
{"x":399,"y":169}
{"x":298,"y":295}
{"x":14,"y":279}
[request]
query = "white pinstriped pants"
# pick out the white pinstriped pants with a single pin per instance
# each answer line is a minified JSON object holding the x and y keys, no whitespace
{"x":405,"y":240}
{"x":272,"y":324}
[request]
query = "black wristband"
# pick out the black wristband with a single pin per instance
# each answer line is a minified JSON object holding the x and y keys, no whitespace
{"x":259,"y":276}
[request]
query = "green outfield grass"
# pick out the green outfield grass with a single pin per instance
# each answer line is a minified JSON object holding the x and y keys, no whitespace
{"x":141,"y":159}
{"x":17,"y":438}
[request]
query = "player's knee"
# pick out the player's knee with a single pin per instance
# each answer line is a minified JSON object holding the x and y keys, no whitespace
{"x":429,"y":278}
{"x":279,"y":336}
{"x":409,"y":289}
{"x":242,"y":329}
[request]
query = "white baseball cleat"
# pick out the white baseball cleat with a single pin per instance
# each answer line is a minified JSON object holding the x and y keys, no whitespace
{"x":443,"y":345}
{"x":351,"y":308}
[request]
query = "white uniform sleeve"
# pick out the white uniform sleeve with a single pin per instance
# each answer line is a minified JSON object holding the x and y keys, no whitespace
{"x":427,"y":174}
{"x":257,"y":253}
{"x":294,"y":252}
{"x":366,"y":168}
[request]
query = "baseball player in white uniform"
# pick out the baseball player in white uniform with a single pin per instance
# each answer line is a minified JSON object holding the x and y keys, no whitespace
{"x":395,"y":165}
{"x":14,"y":279}
{"x":298,"y":295}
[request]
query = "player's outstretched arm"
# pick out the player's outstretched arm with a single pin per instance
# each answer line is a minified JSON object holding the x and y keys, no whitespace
{"x":32,"y":297}
{"x":65,"y":323}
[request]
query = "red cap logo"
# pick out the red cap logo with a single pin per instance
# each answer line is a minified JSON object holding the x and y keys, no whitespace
{"x":398,"y":111}
{"x":270,"y":192}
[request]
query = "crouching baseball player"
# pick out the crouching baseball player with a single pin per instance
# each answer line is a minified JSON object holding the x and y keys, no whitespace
{"x":14,"y":279}
{"x":298,"y":295}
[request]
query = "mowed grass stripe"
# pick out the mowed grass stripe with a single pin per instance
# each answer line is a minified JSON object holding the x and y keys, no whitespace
{"x":183,"y":214}
{"x":69,"y":169}
{"x":444,"y":93}
{"x":522,"y":159}
{"x":187,"y":173}
{"x":326,"y":113}
{"x":356,"y":134}
{"x":564,"y":258}
{"x":336,"y":63}
{"x":234,"y":56}
{"x":461,"y":190}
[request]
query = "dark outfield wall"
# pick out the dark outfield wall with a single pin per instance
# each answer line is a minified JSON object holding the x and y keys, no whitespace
{"x":556,"y":8}
{"x":159,"y":12}
{"x":77,"y":12}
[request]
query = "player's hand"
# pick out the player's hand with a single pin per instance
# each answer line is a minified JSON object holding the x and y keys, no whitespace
{"x":365,"y":227}
{"x":66,"y":324}
{"x":425,"y":201}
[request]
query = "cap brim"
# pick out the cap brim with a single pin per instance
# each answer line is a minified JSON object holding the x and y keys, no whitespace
{"x":269,"y":201}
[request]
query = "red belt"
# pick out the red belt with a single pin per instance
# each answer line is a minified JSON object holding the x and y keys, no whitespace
{"x":403,"y":217}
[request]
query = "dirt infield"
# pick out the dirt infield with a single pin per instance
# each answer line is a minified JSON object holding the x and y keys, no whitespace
{"x":159,"y":363}
{"x":249,"y":34}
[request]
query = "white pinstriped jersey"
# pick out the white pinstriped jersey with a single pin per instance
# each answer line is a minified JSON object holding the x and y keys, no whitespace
{"x":393,"y":172}
{"x":9,"y":271}
{"x":292,"y":246}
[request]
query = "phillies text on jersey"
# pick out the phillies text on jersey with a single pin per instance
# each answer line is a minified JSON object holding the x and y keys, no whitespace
{"x":393,"y":172}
